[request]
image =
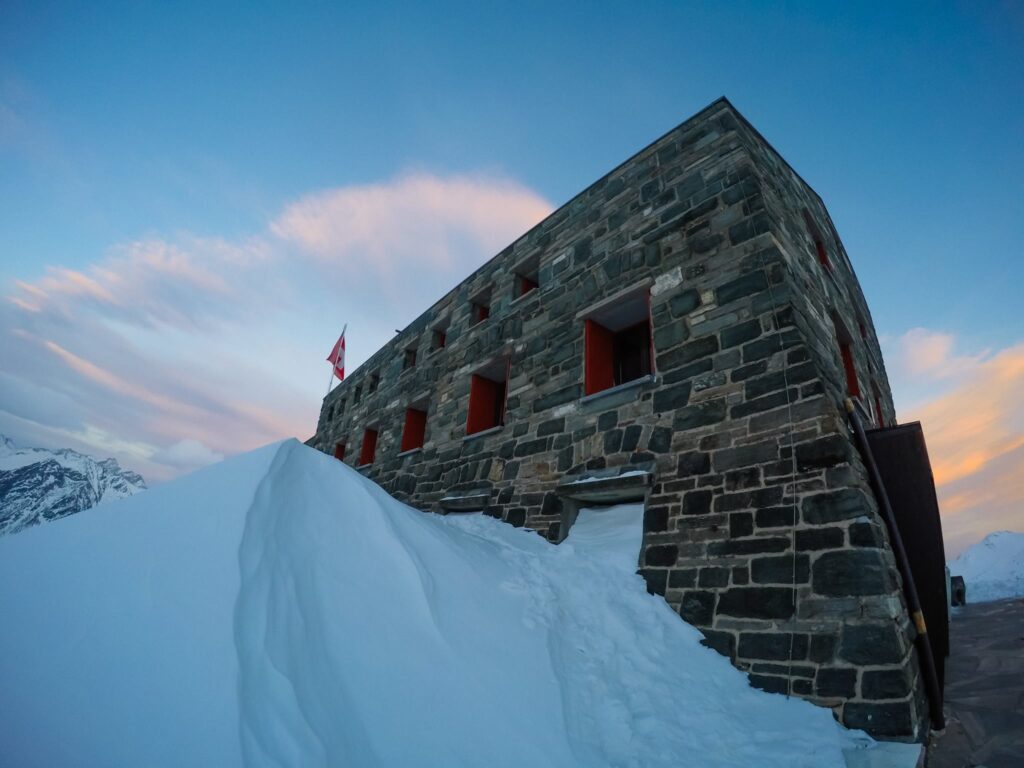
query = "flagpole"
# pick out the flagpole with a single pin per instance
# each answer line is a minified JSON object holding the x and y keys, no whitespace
{"x":330,"y":381}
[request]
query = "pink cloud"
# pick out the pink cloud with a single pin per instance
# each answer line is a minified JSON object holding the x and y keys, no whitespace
{"x":410,"y":221}
{"x":975,"y":434}
{"x":169,"y":353}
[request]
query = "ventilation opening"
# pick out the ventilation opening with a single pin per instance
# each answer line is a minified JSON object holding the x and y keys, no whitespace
{"x":480,"y":307}
{"x":339,"y":451}
{"x":374,"y":383}
{"x":879,"y":417}
{"x":618,"y":344}
{"x":845,"y":341}
{"x":369,"y":447}
{"x":415,"y":429}
{"x":409,"y":359}
{"x":819,"y":241}
{"x":438,"y":338}
{"x":488,"y":388}
{"x":527,"y":278}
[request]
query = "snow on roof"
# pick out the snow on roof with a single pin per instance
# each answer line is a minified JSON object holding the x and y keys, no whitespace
{"x":281,"y":609}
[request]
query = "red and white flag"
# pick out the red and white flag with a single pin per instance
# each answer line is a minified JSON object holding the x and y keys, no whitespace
{"x":337,"y":357}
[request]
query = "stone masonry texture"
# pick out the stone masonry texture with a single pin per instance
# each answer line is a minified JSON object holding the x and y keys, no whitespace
{"x":761,"y":528}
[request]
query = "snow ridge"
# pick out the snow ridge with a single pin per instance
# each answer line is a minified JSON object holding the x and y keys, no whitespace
{"x":281,"y":609}
{"x":37,"y":485}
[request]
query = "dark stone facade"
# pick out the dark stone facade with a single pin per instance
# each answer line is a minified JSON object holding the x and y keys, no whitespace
{"x":760,"y":525}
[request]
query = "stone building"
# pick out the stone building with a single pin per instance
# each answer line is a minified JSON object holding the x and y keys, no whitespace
{"x":683,"y":333}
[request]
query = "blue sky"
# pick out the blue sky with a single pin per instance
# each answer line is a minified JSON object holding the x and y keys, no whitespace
{"x":183,"y":149}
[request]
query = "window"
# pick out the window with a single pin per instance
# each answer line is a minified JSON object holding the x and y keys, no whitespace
{"x":480,"y":307}
{"x":845,"y":341}
{"x":330,"y":413}
{"x":341,"y":407}
{"x":339,"y":451}
{"x":438,"y":337}
{"x":374,"y":383}
{"x":410,"y":359}
{"x":819,"y":242}
{"x":617,"y":341}
{"x":526,"y":278}
{"x":357,"y":395}
{"x":879,"y":417}
{"x":415,"y":429}
{"x":369,"y":447}
{"x":488,"y":388}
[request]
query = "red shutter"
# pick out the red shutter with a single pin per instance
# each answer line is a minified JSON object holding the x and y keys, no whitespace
{"x":852,"y":385}
{"x":482,"y":404}
{"x":415,"y":429}
{"x":526,"y":285}
{"x":822,"y":254}
{"x":599,"y":370}
{"x":339,"y":451}
{"x":369,"y":447}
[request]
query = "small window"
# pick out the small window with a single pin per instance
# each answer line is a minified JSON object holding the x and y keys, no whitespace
{"x":438,"y":337}
{"x":819,"y":241}
{"x":410,"y":359}
{"x":339,"y":451}
{"x":618,"y":344}
{"x":879,"y":417}
{"x":480,"y":307}
{"x":415,"y":429}
{"x":369,"y":447}
{"x":527,"y":279}
{"x":341,"y":407}
{"x":330,"y":413}
{"x":488,"y":388}
{"x":374,"y":383}
{"x":845,"y":341}
{"x":357,"y":394}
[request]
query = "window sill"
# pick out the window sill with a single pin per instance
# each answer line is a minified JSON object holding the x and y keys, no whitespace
{"x":484,"y":432}
{"x":364,"y":466}
{"x":642,"y":381}
{"x":524,"y":297}
{"x":410,"y":452}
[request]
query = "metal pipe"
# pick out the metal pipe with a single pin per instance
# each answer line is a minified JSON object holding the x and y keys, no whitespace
{"x":924,"y":648}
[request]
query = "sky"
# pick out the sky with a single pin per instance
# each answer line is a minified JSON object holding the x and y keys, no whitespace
{"x":195,"y":197}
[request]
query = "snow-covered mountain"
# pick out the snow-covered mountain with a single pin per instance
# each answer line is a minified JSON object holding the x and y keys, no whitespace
{"x":37,"y":485}
{"x":993,"y":569}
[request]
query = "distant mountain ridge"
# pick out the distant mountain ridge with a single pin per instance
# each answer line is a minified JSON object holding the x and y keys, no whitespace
{"x":37,"y":485}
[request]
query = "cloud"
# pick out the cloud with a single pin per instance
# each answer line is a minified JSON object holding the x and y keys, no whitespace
{"x":416,"y":219}
{"x":173,"y":352}
{"x":187,"y":454}
{"x":974,"y":428}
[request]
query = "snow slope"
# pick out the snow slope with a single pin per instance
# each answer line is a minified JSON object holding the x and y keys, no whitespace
{"x":280,"y":609}
{"x":37,"y":485}
{"x":993,"y":569}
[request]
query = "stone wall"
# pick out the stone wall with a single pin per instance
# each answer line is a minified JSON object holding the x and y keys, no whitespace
{"x":760,"y":527}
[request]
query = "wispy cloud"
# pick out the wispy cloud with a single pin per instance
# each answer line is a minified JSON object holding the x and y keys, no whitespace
{"x":974,"y":425}
{"x":170,"y":353}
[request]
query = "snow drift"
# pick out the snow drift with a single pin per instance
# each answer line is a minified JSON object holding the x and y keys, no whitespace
{"x":280,"y":609}
{"x":993,"y":569}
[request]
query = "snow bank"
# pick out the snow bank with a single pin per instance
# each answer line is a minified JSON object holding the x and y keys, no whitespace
{"x":993,"y":569}
{"x":280,"y":609}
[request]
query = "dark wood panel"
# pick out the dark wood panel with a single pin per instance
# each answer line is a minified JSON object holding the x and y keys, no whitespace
{"x":902,"y":458}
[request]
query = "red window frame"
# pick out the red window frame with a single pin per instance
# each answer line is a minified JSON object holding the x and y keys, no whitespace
{"x":600,"y":352}
{"x":852,"y":383}
{"x":415,"y":429}
{"x":339,"y":451}
{"x":487,"y":399}
{"x":368,"y":450}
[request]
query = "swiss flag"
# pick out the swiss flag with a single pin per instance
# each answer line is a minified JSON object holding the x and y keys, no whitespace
{"x":337,"y":357}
